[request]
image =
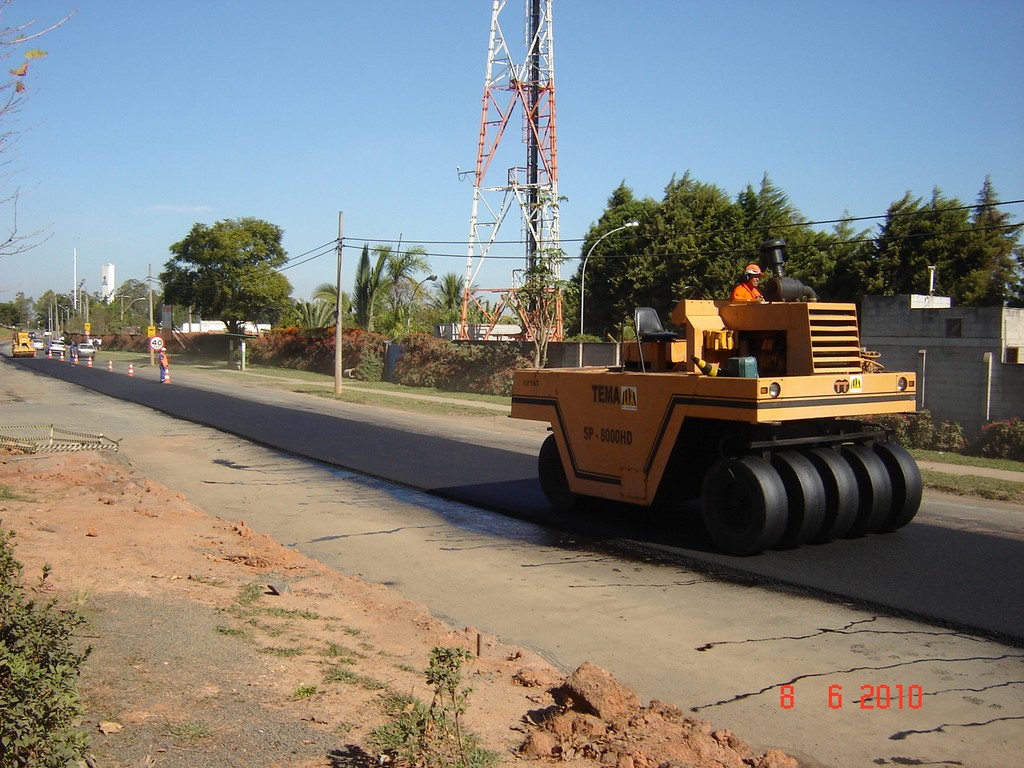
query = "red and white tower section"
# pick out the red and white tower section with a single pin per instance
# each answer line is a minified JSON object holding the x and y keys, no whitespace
{"x":516,"y":88}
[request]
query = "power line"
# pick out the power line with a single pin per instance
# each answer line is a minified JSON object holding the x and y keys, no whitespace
{"x":758,"y":228}
{"x":330,"y":247}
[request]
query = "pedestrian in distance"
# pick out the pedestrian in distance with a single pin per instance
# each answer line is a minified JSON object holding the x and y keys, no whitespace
{"x":165,"y":363}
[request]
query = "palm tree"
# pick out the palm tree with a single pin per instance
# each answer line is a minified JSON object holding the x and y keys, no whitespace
{"x":448,"y":297}
{"x":403,"y":269}
{"x":313,"y":314}
{"x":370,"y":283}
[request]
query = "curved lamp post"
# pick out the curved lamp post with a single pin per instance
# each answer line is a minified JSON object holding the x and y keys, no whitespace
{"x":412,"y":301}
{"x":583,"y":272}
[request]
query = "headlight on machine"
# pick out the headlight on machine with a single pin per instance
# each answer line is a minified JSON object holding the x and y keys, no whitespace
{"x":774,"y":389}
{"x":901,"y":384}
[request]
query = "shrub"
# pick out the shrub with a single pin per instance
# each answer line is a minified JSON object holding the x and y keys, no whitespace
{"x":949,"y":437}
{"x":38,"y":674}
{"x":911,"y":430}
{"x":312,"y":349}
{"x":484,"y":368}
{"x":433,"y":736}
{"x":370,"y":368}
{"x":1001,"y":440}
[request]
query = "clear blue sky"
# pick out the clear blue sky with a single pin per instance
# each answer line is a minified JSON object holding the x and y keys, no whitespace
{"x":148,"y":116}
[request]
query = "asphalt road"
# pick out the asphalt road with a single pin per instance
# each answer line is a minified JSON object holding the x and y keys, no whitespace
{"x":775,"y":666}
{"x":936,"y":569}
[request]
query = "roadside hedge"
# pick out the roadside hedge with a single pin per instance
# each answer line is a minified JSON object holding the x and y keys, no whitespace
{"x":997,"y":440}
{"x":479,"y":368}
{"x":312,"y":349}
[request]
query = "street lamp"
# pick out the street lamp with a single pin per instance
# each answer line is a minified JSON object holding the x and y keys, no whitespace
{"x":583,"y":272}
{"x":130,"y":303}
{"x":412,"y":301}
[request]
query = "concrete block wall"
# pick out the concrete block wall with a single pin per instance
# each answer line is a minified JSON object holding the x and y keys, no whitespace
{"x":947,"y":347}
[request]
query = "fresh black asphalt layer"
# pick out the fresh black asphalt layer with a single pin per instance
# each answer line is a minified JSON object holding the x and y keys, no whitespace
{"x":954,"y":577}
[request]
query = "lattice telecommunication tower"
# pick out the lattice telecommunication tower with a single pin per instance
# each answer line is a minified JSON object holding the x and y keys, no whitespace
{"x":523,"y":86}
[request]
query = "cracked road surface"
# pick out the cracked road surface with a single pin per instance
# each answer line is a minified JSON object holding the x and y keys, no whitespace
{"x":830,"y":683}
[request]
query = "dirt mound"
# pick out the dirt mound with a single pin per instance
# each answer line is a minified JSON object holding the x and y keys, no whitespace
{"x":213,"y":645}
{"x":597,"y":718}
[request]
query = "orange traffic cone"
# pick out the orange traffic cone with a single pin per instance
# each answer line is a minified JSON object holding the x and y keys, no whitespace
{"x":131,"y":369}
{"x":88,"y":362}
{"x":74,"y":359}
{"x":167,"y":376}
{"x":110,"y":365}
{"x":62,"y":356}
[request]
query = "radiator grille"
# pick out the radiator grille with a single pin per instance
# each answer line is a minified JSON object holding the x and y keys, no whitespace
{"x":835,"y":341}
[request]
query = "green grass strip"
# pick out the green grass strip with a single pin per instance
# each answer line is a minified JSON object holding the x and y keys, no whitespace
{"x":974,"y":485}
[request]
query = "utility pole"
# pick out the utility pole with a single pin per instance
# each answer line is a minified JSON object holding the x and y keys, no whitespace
{"x":149,"y":285}
{"x":338,"y":369}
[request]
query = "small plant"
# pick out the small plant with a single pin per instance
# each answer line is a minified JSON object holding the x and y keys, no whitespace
{"x":39,"y":671}
{"x":341,"y":654}
{"x":305,"y":692}
{"x":433,"y":736}
{"x":281,"y":652}
{"x":7,"y":493}
{"x":230,"y":631}
{"x":190,"y":731}
{"x":338,"y":673}
{"x":250,"y":594}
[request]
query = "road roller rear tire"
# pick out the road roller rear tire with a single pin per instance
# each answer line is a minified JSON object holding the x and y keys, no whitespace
{"x":552,"y":477}
{"x":805,"y":492}
{"x":743,"y":503}
{"x":907,"y":486}
{"x":874,"y":490}
{"x":841,"y":497}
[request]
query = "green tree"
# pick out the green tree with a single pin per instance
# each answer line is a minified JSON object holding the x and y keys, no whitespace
{"x":609,"y":283}
{"x":311,"y":314}
{"x":768,"y":214}
{"x":988,"y":268}
{"x":403,"y":269}
{"x":20,"y":312}
{"x":447,"y":298}
{"x":536,"y":302}
{"x":228,"y":272}
{"x":852,"y":263}
{"x":370,"y":283}
{"x":765,"y":215}
{"x":325,"y":293}
{"x":917,"y":235}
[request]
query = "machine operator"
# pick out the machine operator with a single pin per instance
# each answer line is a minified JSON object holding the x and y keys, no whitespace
{"x":748,"y":290}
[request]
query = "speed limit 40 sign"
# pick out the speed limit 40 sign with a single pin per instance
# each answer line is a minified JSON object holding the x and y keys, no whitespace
{"x":156,"y":343}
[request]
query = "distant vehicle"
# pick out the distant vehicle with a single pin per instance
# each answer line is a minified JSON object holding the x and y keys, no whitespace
{"x":56,"y":347}
{"x":21,"y":345}
{"x":38,"y":344}
{"x":85,"y":349}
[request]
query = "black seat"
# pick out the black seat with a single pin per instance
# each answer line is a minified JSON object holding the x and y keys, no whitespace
{"x":649,"y":327}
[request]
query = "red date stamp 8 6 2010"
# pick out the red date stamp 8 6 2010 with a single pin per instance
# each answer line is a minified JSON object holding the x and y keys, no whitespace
{"x":871,"y":697}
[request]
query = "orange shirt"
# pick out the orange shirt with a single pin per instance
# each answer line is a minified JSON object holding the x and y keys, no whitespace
{"x":746,"y":292}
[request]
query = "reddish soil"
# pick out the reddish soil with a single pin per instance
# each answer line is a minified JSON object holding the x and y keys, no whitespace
{"x":213,"y":645}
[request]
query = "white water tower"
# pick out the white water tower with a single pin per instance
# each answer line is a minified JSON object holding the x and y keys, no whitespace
{"x":107,"y":284}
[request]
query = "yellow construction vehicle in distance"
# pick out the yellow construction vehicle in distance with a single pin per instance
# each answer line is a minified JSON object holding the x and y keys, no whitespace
{"x":21,"y":345}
